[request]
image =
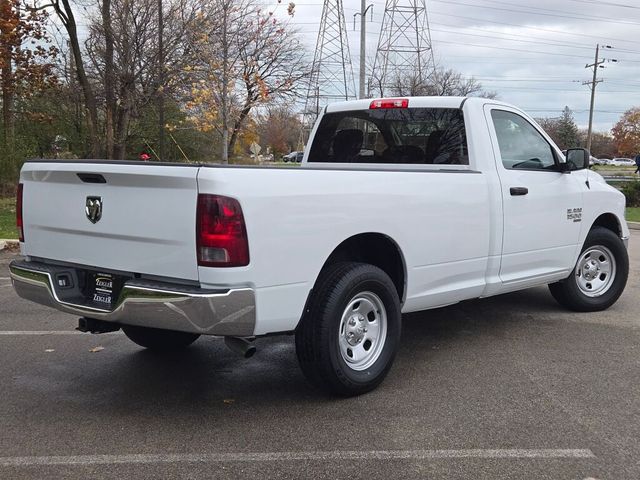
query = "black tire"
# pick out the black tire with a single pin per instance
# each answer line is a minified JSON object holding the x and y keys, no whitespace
{"x":317,"y":335}
{"x":159,"y":340}
{"x":567,"y":292}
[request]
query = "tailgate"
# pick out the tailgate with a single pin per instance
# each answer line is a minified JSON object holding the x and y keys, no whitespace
{"x":146,"y":224}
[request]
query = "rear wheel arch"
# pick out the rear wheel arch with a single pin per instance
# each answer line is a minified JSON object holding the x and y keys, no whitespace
{"x":375,"y":249}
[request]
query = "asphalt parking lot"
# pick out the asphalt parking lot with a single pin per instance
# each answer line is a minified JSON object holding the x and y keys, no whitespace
{"x":503,"y":388}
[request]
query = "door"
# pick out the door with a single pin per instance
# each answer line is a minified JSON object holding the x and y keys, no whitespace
{"x":541,"y":205}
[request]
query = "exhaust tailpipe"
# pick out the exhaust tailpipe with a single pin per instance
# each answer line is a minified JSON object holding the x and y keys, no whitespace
{"x":240,"y":345}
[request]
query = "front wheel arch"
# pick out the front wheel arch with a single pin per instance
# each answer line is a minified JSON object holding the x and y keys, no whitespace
{"x":570,"y":294}
{"x":610,"y":221}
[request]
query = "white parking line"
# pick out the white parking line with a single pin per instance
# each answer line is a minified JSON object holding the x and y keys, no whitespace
{"x":293,"y":456}
{"x":43,"y":332}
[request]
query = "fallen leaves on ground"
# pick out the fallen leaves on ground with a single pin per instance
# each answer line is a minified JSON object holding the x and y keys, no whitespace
{"x":96,"y":349}
{"x":11,"y":247}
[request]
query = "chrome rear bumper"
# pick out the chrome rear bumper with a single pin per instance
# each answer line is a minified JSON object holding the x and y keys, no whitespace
{"x":229,"y":312}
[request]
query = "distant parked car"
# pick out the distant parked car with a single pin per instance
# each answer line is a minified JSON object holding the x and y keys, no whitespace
{"x":293,"y":157}
{"x":622,"y":162}
{"x":289,"y":157}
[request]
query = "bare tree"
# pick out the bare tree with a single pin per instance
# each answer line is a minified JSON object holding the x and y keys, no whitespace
{"x":244,"y":58}
{"x":442,"y":82}
{"x":124,"y":51}
{"x":64,"y":12}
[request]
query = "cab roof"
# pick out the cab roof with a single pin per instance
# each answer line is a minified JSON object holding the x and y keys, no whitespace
{"x":414,"y":102}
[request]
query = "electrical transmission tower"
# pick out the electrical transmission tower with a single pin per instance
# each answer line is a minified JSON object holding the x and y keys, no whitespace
{"x":332,"y":73}
{"x":404,"y":58}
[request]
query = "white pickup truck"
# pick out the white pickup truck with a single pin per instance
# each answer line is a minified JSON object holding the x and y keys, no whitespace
{"x":400,"y":205}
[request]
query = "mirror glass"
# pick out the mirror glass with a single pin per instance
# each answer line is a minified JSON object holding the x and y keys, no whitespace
{"x":578,"y":158}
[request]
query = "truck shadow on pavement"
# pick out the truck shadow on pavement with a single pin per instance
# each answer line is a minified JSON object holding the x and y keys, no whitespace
{"x":208,"y":376}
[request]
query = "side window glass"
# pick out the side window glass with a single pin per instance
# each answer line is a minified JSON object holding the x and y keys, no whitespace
{"x":521,"y":145}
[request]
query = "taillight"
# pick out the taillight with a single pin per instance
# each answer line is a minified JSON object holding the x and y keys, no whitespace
{"x":19,"y":212}
{"x":389,"y":103}
{"x":221,"y":234}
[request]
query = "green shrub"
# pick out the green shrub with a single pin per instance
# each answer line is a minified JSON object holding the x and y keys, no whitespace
{"x":631,"y":190}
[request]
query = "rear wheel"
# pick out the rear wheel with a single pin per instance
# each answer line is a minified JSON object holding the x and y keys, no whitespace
{"x":348,"y":337}
{"x":599,"y":276}
{"x":159,"y":340}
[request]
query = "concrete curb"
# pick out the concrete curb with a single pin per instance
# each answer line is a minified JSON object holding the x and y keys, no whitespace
{"x":634,"y":225}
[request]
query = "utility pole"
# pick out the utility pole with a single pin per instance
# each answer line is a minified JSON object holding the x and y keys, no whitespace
{"x":597,"y":63}
{"x":363,"y":40}
{"x":160,"y":82}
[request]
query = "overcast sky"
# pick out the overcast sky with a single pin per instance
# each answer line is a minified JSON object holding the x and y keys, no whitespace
{"x":531,"y":52}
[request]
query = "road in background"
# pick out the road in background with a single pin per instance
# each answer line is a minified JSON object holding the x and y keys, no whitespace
{"x":502,"y":388}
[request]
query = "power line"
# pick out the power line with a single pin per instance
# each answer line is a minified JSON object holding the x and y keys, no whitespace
{"x":538,"y":9}
{"x":549,"y":30}
{"x":612,"y":4}
{"x":509,"y":39}
{"x":558,"y":43}
{"x":572,"y":17}
{"x":513,"y":49}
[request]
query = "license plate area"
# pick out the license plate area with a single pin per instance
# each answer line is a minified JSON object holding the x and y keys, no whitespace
{"x":100,"y":289}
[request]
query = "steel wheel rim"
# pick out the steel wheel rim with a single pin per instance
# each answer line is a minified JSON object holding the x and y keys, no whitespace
{"x":363,"y":331}
{"x":595,"y":271}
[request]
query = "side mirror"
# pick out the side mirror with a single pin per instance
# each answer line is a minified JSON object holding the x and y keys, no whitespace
{"x":578,"y":158}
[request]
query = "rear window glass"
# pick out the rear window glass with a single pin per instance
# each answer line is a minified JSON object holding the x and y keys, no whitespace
{"x":392,"y":136}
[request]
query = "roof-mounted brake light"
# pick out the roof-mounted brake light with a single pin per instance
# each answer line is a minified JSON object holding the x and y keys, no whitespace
{"x":390,"y":103}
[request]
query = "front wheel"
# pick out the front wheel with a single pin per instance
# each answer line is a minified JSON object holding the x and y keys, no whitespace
{"x":159,"y":340}
{"x":599,"y":276}
{"x":348,"y":337}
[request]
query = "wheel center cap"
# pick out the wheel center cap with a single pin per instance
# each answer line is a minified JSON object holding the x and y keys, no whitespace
{"x":355,"y":329}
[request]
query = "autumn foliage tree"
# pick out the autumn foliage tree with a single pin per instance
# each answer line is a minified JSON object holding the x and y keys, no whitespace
{"x":626,"y":133}
{"x":244,"y":58}
{"x":26,"y":59}
{"x":279,"y":128}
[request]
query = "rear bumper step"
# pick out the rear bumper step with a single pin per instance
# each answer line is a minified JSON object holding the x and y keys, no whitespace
{"x":229,"y":312}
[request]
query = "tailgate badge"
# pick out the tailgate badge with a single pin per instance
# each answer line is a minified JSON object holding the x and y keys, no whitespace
{"x":93,"y":209}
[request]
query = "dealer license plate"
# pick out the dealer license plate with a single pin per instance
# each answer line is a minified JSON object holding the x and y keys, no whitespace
{"x":104,"y":285}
